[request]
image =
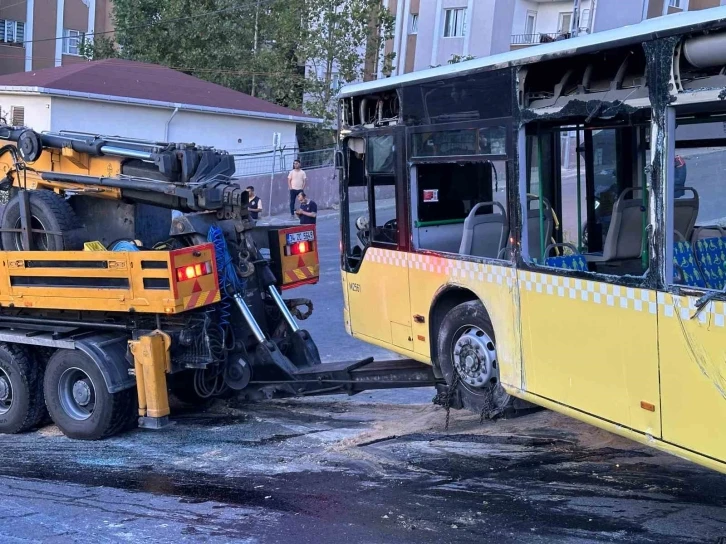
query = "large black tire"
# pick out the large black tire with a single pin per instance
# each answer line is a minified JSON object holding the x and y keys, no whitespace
{"x":79,"y":402}
{"x":48,"y":211}
{"x":21,"y":390}
{"x":469,"y":322}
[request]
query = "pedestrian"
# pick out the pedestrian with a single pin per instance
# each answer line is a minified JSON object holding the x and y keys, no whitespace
{"x":255,"y":203}
{"x":308,"y":212}
{"x":297,"y":180}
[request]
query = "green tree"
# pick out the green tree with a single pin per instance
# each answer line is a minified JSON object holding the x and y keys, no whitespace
{"x":291,"y":52}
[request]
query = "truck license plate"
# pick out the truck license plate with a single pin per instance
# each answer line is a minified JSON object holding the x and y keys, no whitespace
{"x":304,"y":236}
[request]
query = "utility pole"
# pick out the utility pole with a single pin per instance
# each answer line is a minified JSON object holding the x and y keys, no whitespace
{"x":575,"y":18}
{"x":254,"y":47}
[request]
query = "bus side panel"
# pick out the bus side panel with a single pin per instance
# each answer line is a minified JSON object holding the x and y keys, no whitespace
{"x":693,"y":374}
{"x":592,"y":346}
{"x":494,"y":285}
{"x":378,"y":296}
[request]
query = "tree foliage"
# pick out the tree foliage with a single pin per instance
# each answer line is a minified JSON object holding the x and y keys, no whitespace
{"x":291,"y":52}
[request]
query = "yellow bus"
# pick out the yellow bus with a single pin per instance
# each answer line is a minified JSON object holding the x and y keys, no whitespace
{"x":548,"y":226}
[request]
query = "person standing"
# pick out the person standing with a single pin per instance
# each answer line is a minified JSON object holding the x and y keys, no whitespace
{"x":297,"y":180}
{"x":255,"y":203}
{"x":308,"y":212}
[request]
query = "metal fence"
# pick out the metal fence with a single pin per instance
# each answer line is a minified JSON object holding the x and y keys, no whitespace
{"x":542,"y":37}
{"x":281,"y":160}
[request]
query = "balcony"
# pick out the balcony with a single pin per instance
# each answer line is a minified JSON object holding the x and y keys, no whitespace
{"x":540,"y":37}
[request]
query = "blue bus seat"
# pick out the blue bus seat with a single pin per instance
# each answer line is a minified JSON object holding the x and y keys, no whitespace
{"x":573,"y":261}
{"x":711,"y":258}
{"x":685,"y":267}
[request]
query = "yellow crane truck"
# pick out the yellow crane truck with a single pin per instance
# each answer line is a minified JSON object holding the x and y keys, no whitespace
{"x":107,"y":303}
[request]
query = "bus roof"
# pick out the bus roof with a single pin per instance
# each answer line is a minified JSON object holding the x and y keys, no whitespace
{"x":650,"y":29}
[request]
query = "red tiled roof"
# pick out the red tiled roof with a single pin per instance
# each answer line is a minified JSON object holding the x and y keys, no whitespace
{"x":141,"y":81}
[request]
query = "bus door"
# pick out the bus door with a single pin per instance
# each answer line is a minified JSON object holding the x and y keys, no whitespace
{"x":376,"y":239}
{"x":589,"y":323}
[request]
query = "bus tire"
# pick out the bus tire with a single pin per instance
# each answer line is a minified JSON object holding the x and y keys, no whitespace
{"x":79,"y":402}
{"x":21,"y":391}
{"x":48,"y":211}
{"x":466,"y":349}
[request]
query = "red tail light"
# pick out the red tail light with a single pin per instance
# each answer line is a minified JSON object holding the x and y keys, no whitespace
{"x":300,"y":248}
{"x":192,"y":271}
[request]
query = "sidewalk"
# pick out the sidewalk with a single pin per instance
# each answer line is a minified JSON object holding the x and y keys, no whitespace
{"x":323,"y":215}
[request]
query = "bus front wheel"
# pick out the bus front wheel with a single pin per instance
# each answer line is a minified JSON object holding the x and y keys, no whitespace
{"x":467,"y":356}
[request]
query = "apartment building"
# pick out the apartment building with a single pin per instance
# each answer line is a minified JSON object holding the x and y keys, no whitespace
{"x":434,"y":32}
{"x":36,"y":34}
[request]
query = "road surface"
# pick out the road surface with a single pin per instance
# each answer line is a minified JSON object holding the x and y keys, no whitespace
{"x":374,"y":468}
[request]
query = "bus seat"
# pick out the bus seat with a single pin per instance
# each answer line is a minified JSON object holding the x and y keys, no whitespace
{"x":706,"y":231}
{"x":534,"y":236}
{"x":486,"y":234}
{"x":711,"y":259}
{"x":685,"y":212}
{"x":573,"y":261}
{"x":685,"y":267}
{"x":624,"y":239}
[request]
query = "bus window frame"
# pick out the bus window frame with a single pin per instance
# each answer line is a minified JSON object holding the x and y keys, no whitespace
{"x":506,"y":122}
{"x":509,"y":124}
{"x":400,"y":193}
{"x":650,"y":278}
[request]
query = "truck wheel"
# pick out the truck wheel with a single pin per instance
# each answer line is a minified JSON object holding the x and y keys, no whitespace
{"x":468,"y":358}
{"x":48,"y":211}
{"x":78,"y":401}
{"x":21,"y":391}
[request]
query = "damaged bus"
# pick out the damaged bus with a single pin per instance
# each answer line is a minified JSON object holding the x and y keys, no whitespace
{"x":548,"y":226}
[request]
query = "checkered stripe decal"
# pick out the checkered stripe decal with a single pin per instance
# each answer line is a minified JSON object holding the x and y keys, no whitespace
{"x":626,"y":298}
{"x":462,"y":270}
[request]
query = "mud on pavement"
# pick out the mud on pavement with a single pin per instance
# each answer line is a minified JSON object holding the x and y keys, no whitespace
{"x":363,"y":470}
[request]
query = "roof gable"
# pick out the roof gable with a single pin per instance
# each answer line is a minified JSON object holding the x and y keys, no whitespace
{"x":144,"y":82}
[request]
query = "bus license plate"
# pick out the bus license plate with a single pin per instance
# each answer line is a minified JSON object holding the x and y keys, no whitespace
{"x":304,"y":236}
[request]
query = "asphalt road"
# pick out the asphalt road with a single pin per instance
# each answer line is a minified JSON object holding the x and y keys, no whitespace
{"x":374,"y":468}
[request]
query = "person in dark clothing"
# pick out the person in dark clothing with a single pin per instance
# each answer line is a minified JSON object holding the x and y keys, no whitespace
{"x":308,"y":211}
{"x":255,"y":204}
{"x":680,"y":174}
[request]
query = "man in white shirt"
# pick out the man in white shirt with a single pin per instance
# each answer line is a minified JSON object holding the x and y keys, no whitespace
{"x":297,"y":180}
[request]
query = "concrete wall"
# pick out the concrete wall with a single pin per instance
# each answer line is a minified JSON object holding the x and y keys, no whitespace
{"x":221,"y":131}
{"x":611,"y":15}
{"x":37,"y":109}
{"x":322,"y":188}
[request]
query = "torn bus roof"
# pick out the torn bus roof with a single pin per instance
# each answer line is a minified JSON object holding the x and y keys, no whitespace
{"x":714,"y":18}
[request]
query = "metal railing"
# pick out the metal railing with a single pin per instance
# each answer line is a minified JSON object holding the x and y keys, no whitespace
{"x":280,"y":160}
{"x":540,"y":37}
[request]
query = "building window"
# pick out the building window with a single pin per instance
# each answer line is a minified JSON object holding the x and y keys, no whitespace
{"x":12,"y":32}
{"x":72,"y":40}
{"x":455,"y":23}
{"x":17,"y":116}
{"x":529,"y":25}
{"x":674,"y":3}
{"x":413,"y":24}
{"x":335,"y":82}
{"x":565,"y":23}
{"x":584,"y":20}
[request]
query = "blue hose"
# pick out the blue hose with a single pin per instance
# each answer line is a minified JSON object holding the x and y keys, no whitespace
{"x":229,"y":281}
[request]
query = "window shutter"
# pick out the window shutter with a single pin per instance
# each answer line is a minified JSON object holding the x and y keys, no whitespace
{"x":17,"y":113}
{"x":19,"y":32}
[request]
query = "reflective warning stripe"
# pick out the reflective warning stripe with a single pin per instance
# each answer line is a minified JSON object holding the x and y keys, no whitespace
{"x":299,"y":274}
{"x":202,"y":298}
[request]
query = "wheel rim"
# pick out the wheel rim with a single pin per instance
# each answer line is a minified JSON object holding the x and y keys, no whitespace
{"x":77,"y":394}
{"x":40,"y":240}
{"x":6,"y":393}
{"x":475,"y":357}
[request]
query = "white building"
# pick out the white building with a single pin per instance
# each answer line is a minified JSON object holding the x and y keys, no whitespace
{"x":123,"y":98}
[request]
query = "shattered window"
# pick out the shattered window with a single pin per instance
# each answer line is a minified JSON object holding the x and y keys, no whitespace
{"x":699,"y":205}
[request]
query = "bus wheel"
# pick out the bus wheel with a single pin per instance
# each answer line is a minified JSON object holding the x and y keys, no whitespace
{"x":78,"y":400}
{"x":468,"y":358}
{"x":21,"y":393}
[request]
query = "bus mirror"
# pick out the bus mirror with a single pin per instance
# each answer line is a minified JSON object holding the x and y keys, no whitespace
{"x":338,"y":159}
